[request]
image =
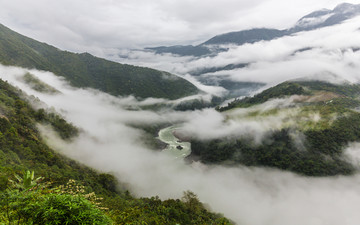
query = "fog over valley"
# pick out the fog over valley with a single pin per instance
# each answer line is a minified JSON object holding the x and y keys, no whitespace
{"x":109,"y":143}
{"x":252,"y":106}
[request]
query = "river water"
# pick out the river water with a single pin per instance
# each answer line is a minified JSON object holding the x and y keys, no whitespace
{"x":175,"y":147}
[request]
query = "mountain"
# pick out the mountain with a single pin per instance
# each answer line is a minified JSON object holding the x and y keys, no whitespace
{"x":62,"y":191}
{"x":325,"y":17}
{"x":182,"y":50}
{"x":85,"y":70}
{"x":246,"y":36}
{"x":209,"y":47}
{"x":313,"y":123}
{"x":314,"y":20}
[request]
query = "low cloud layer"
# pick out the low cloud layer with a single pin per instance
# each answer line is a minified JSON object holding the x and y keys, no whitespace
{"x":253,"y":196}
{"x":210,"y":124}
{"x":330,"y":50}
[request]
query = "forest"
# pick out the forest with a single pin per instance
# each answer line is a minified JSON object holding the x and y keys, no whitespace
{"x":40,"y":186}
{"x":320,"y":152}
{"x":85,"y":70}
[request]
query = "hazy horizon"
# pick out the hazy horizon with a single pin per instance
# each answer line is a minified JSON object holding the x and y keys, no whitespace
{"x":101,"y":27}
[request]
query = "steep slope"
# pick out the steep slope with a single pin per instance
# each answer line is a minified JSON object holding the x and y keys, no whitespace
{"x":314,"y":20}
{"x":85,"y":70}
{"x":67,"y":182}
{"x":313,"y":122}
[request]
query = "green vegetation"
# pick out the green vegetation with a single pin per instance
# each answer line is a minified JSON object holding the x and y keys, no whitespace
{"x":188,"y":210}
{"x":350,"y":91}
{"x":323,"y":121}
{"x":33,"y":207}
{"x":70,"y":204}
{"x":65,"y":191}
{"x":279,"y":91}
{"x":38,"y":85}
{"x":85,"y":70}
{"x":198,"y":104}
{"x":21,"y":147}
{"x":315,"y":158}
{"x":30,"y":202}
{"x":65,"y":130}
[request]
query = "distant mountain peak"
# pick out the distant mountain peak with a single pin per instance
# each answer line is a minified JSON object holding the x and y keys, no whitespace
{"x":317,"y":13}
{"x":346,"y":7}
{"x":314,"y":20}
{"x":326,"y":17}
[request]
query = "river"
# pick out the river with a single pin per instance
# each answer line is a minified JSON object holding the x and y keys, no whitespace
{"x":175,"y":147}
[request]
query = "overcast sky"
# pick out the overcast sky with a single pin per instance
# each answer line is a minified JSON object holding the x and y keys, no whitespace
{"x":95,"y":25}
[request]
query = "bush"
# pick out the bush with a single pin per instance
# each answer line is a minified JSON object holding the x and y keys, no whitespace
{"x":67,"y":209}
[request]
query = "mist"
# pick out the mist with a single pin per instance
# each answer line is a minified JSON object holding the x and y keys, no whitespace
{"x":329,"y":50}
{"x":255,"y":196}
{"x":131,"y":24}
{"x":210,"y":124}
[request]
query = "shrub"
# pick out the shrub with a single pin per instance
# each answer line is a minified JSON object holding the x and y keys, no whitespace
{"x":67,"y":209}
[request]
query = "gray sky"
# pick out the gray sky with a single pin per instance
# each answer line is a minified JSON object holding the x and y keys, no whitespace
{"x":95,"y":25}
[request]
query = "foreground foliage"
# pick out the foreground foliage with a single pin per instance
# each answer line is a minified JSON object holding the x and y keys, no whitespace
{"x":70,"y":204}
{"x":37,"y":208}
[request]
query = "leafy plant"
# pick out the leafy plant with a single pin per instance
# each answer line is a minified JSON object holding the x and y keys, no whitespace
{"x":26,"y":182}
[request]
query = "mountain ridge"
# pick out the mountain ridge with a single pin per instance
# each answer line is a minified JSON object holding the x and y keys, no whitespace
{"x":316,"y":120}
{"x":85,"y":70}
{"x":308,"y":22}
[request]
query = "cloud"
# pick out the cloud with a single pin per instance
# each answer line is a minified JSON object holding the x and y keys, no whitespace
{"x":209,"y":124}
{"x":253,"y":196}
{"x":352,"y":154}
{"x":109,"y":143}
{"x":330,"y":50}
{"x":101,"y":26}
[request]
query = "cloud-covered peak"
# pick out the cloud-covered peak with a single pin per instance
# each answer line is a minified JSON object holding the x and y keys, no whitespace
{"x":326,"y":17}
{"x":346,"y":8}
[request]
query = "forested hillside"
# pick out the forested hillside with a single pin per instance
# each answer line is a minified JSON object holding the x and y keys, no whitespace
{"x":318,"y":121}
{"x":85,"y":70}
{"x":40,"y":186}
